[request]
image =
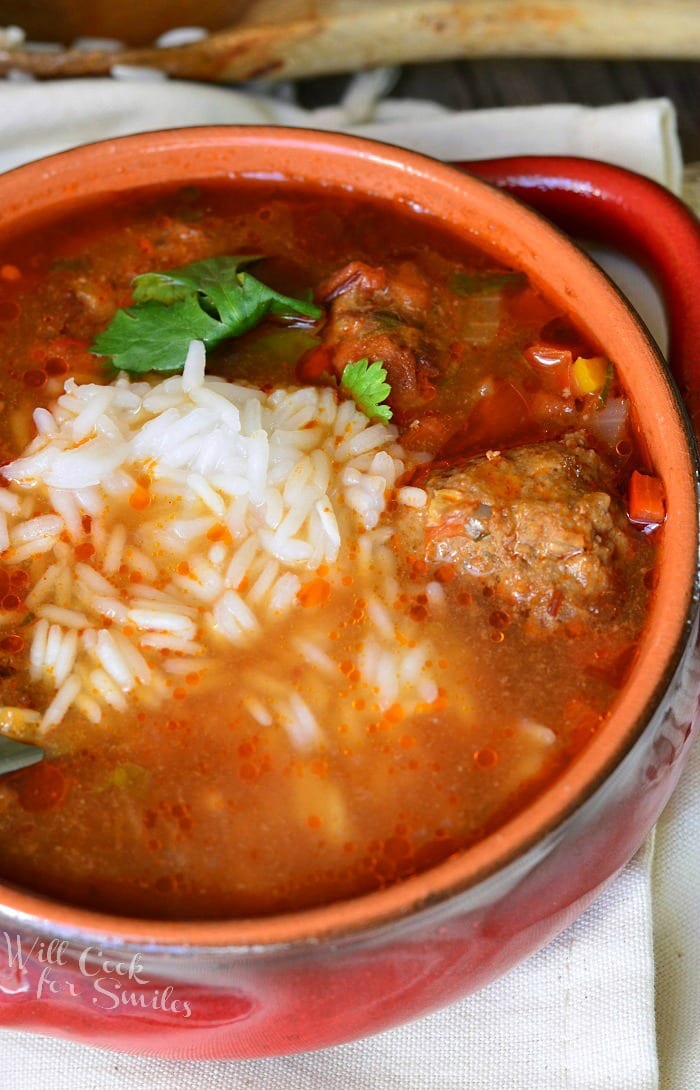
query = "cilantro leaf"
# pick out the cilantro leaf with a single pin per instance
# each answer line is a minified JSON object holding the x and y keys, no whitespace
{"x":206,"y":276}
{"x":367,"y":383}
{"x":155,"y":337}
{"x":208,"y":300}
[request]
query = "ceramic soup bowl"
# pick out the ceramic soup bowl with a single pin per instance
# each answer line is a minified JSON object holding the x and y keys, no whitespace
{"x":309,"y":979}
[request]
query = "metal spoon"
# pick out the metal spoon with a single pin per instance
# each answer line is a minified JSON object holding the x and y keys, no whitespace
{"x":14,"y":755}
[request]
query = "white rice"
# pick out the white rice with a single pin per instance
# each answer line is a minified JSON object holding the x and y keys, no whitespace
{"x":316,"y":656}
{"x":257,"y":710}
{"x":92,"y":580}
{"x":150,"y":598}
{"x":300,"y":723}
{"x":260,"y":588}
{"x":247,"y":495}
{"x":157,"y":620}
{"x":132,"y":657}
{"x":64,"y":503}
{"x":113,"y":661}
{"x":111,"y":608}
{"x":37,"y":653}
{"x":36,"y":547}
{"x":114,"y":550}
{"x":53,"y":646}
{"x":160,"y":641}
{"x":68,"y":618}
{"x":380,"y":617}
{"x":9,"y":503}
{"x":105,"y":689}
{"x":283,"y":594}
{"x":233,"y":616}
{"x":65,"y":658}
{"x":60,"y":703}
{"x":411,"y":497}
{"x":436,"y":594}
{"x":89,"y":707}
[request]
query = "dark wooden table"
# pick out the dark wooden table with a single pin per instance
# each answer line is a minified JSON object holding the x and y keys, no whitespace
{"x":479,"y":84}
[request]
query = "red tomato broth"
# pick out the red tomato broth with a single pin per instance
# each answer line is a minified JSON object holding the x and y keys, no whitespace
{"x":194,"y":810}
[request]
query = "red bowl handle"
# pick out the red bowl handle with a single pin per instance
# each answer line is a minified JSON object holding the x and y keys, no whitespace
{"x":608,"y":204}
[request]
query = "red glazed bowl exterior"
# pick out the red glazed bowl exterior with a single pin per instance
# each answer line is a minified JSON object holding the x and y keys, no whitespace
{"x":318,"y":978}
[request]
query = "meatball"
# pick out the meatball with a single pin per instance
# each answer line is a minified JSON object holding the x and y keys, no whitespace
{"x":537,"y":524}
{"x":380,"y":313}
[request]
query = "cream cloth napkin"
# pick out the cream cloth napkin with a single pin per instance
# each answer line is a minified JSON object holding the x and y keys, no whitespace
{"x":37,"y":119}
{"x":580,"y":1014}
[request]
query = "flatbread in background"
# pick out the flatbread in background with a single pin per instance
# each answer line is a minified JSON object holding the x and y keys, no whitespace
{"x":278,"y":39}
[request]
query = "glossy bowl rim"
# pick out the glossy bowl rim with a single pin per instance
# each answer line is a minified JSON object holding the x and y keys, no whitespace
{"x":354,"y":159}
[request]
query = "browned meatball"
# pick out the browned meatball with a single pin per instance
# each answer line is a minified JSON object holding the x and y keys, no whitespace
{"x":380,"y":313}
{"x":538,"y":524}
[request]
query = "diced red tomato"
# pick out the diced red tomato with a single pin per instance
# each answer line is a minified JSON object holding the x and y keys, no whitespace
{"x":547,"y":355}
{"x":550,"y":409}
{"x":314,"y":363}
{"x":499,"y":419}
{"x":554,"y":366}
{"x":430,"y":432}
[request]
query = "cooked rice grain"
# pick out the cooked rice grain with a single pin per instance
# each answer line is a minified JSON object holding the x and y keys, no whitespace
{"x":246,"y":495}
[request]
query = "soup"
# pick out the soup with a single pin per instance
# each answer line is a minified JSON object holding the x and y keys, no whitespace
{"x":308,"y":622}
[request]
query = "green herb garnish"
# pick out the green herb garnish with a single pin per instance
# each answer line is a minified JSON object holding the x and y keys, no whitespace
{"x":605,"y":392}
{"x":367,"y":383}
{"x":208,"y":301}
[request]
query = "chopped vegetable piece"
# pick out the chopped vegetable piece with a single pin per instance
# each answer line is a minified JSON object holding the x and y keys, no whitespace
{"x":646,"y":499}
{"x":482,"y":319}
{"x":591,"y":376}
{"x":314,"y":363}
{"x":501,"y":416}
{"x":609,"y":422}
{"x":554,"y":366}
{"x":207,"y":300}
{"x":40,"y":788}
{"x":20,"y":724}
{"x":547,"y":355}
{"x":129,"y":777}
{"x":367,"y":383}
{"x":483,"y":283}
